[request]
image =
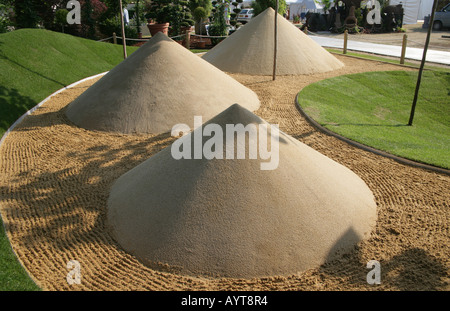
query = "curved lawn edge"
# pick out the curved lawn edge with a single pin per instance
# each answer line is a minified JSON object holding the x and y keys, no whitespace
{"x":399,"y":159}
{"x":5,"y":135}
{"x":44,"y":101}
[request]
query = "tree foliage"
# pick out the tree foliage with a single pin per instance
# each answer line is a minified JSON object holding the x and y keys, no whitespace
{"x":219,"y":25}
{"x":5,"y":15}
{"x":205,"y":4}
{"x":326,"y":4}
{"x":260,"y":6}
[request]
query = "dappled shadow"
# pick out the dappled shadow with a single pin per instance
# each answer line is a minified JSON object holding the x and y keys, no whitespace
{"x":66,"y":202}
{"x":12,"y":104}
{"x":415,"y":268}
{"x":63,"y":207}
{"x":412,"y":269}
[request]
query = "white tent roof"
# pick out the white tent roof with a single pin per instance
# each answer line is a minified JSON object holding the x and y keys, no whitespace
{"x":414,"y":10}
{"x":311,"y":4}
{"x":303,"y":6}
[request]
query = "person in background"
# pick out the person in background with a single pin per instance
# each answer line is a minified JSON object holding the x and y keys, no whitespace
{"x":126,"y":17}
{"x":227,"y":14}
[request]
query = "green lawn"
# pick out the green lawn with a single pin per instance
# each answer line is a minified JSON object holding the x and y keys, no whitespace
{"x":35,"y":63}
{"x":373,"y":109}
{"x":12,"y":275}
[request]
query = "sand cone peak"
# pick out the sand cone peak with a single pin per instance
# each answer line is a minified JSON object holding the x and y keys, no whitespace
{"x":159,"y":85}
{"x":227,"y":217}
{"x":250,"y":49}
{"x":236,"y":114}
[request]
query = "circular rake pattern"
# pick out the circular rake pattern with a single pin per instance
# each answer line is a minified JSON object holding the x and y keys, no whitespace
{"x":55,"y":179}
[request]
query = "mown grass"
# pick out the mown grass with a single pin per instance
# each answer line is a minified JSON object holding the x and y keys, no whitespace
{"x":13,"y":276}
{"x":35,"y":63}
{"x":373,"y":109}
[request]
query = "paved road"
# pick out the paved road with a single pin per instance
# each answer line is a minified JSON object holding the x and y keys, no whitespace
{"x":434,"y":56}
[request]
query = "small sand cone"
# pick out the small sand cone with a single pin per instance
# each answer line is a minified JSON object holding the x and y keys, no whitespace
{"x":250,"y":50}
{"x":156,"y":87}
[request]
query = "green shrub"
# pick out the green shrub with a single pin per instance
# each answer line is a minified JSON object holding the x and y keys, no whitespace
{"x":260,"y":6}
{"x":110,"y":25}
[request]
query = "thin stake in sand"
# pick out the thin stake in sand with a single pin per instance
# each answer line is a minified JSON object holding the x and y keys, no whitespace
{"x":124,"y":44}
{"x":275,"y":44}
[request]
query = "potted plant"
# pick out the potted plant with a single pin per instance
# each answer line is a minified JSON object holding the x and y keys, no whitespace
{"x":158,"y":16}
{"x":219,"y":26}
{"x":181,"y":18}
{"x":163,"y":14}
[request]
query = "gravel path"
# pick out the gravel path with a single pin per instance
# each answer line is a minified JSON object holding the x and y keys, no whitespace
{"x":55,"y":180}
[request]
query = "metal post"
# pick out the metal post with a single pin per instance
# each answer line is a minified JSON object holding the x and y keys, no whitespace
{"x":124,"y":43}
{"x":422,"y":64}
{"x":402,"y":57}
{"x":345,"y":41}
{"x":275,"y":44}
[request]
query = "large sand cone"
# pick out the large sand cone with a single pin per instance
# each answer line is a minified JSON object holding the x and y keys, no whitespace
{"x":158,"y":86}
{"x":230,"y":218}
{"x":250,"y":50}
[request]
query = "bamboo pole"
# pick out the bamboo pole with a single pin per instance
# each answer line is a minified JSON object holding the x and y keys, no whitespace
{"x":124,"y":43}
{"x":275,"y":44}
{"x":422,"y":64}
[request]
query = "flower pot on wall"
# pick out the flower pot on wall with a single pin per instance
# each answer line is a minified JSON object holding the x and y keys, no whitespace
{"x":155,"y":28}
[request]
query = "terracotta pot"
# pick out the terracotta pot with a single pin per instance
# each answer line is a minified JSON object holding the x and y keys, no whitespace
{"x":201,"y":44}
{"x":155,"y":28}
